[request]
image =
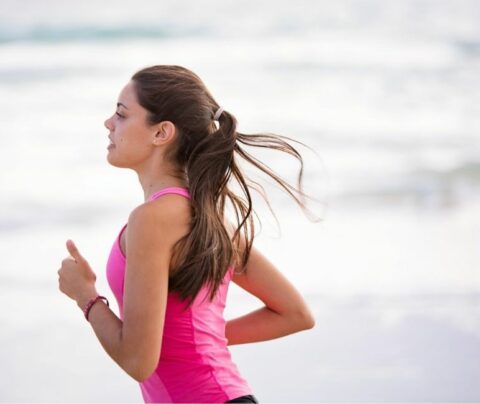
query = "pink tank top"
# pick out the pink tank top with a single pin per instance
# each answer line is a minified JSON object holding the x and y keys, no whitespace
{"x":195,"y":363}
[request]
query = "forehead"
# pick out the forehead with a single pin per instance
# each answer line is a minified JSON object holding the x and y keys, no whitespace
{"x":127,"y":95}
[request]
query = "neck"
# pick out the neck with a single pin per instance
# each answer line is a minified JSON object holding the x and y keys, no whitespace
{"x":152,"y":187}
{"x":156,"y":173}
{"x":154,"y":181}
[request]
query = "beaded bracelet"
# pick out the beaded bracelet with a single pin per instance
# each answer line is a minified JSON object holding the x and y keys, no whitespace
{"x":91,"y":303}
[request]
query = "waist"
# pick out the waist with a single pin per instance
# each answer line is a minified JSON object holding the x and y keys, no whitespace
{"x":190,"y":380}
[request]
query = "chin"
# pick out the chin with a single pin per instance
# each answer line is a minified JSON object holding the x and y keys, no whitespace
{"x":117,"y":162}
{"x":112,"y":161}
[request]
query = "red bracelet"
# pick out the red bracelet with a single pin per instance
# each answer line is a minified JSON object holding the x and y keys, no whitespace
{"x":91,"y":302}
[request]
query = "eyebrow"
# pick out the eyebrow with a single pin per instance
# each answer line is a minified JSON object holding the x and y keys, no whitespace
{"x":120,"y":104}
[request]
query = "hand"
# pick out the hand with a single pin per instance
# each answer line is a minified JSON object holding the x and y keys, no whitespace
{"x":76,"y":278}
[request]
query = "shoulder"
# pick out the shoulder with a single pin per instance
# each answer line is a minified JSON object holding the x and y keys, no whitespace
{"x":168,"y":215}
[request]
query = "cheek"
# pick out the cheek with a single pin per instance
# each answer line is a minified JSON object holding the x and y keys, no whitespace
{"x":125,"y":128}
{"x":131,"y":143}
{"x":122,"y":132}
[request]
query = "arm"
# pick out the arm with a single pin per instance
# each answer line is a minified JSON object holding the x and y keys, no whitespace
{"x":285,"y":311}
{"x":135,"y":343}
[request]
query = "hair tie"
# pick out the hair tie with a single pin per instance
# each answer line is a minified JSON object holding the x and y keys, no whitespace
{"x":218,"y":113}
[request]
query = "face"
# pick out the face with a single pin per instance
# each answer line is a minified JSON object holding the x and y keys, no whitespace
{"x":132,"y":141}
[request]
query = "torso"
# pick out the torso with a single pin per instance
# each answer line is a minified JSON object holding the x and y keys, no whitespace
{"x":194,"y":346}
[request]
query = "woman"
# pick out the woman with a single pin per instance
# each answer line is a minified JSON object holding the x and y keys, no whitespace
{"x":171,"y":264}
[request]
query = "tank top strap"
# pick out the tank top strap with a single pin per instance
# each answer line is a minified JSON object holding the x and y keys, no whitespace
{"x":170,"y":190}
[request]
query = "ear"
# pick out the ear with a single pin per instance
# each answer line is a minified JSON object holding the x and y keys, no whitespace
{"x":165,"y":132}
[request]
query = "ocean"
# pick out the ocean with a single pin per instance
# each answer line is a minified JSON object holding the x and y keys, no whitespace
{"x":387,"y":96}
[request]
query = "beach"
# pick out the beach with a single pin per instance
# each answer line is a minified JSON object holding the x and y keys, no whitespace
{"x":386,"y":94}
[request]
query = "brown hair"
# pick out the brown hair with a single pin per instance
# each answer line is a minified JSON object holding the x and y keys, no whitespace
{"x":206,"y":157}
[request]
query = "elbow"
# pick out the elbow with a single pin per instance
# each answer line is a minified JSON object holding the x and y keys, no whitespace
{"x":141,"y":375}
{"x":310,"y":322}
{"x":141,"y":370}
{"x":301,"y":319}
{"x":141,"y":364}
{"x":306,"y":320}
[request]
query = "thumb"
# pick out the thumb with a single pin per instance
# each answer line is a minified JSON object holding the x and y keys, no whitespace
{"x":73,"y":250}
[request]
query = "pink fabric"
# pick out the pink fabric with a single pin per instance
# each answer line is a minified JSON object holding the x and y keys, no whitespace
{"x":195,"y":362}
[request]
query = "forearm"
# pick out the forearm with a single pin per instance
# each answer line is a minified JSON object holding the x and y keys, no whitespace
{"x":261,"y":325}
{"x":108,"y":329}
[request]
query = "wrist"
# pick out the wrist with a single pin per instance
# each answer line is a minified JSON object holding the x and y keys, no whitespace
{"x":84,"y":298}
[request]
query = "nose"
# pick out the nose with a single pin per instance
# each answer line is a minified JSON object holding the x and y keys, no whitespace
{"x":107,"y":123}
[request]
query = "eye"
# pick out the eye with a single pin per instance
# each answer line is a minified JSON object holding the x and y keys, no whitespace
{"x":120,"y":116}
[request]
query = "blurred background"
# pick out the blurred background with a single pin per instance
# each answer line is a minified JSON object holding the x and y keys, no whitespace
{"x":387,"y":95}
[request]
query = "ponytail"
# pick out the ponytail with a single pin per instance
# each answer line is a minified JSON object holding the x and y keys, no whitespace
{"x":206,"y":156}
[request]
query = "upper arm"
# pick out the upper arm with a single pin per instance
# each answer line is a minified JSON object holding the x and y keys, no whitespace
{"x":151,"y":232}
{"x":263,"y":280}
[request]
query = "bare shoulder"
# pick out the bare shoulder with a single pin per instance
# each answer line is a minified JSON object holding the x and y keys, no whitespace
{"x":162,"y":221}
{"x":171,"y":211}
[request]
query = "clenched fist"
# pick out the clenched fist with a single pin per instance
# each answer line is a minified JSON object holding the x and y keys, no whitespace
{"x":76,"y":278}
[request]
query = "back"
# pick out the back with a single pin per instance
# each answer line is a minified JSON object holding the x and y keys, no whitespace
{"x":195,"y":363}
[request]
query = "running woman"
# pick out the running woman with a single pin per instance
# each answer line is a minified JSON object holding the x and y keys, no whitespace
{"x":170,"y":266}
